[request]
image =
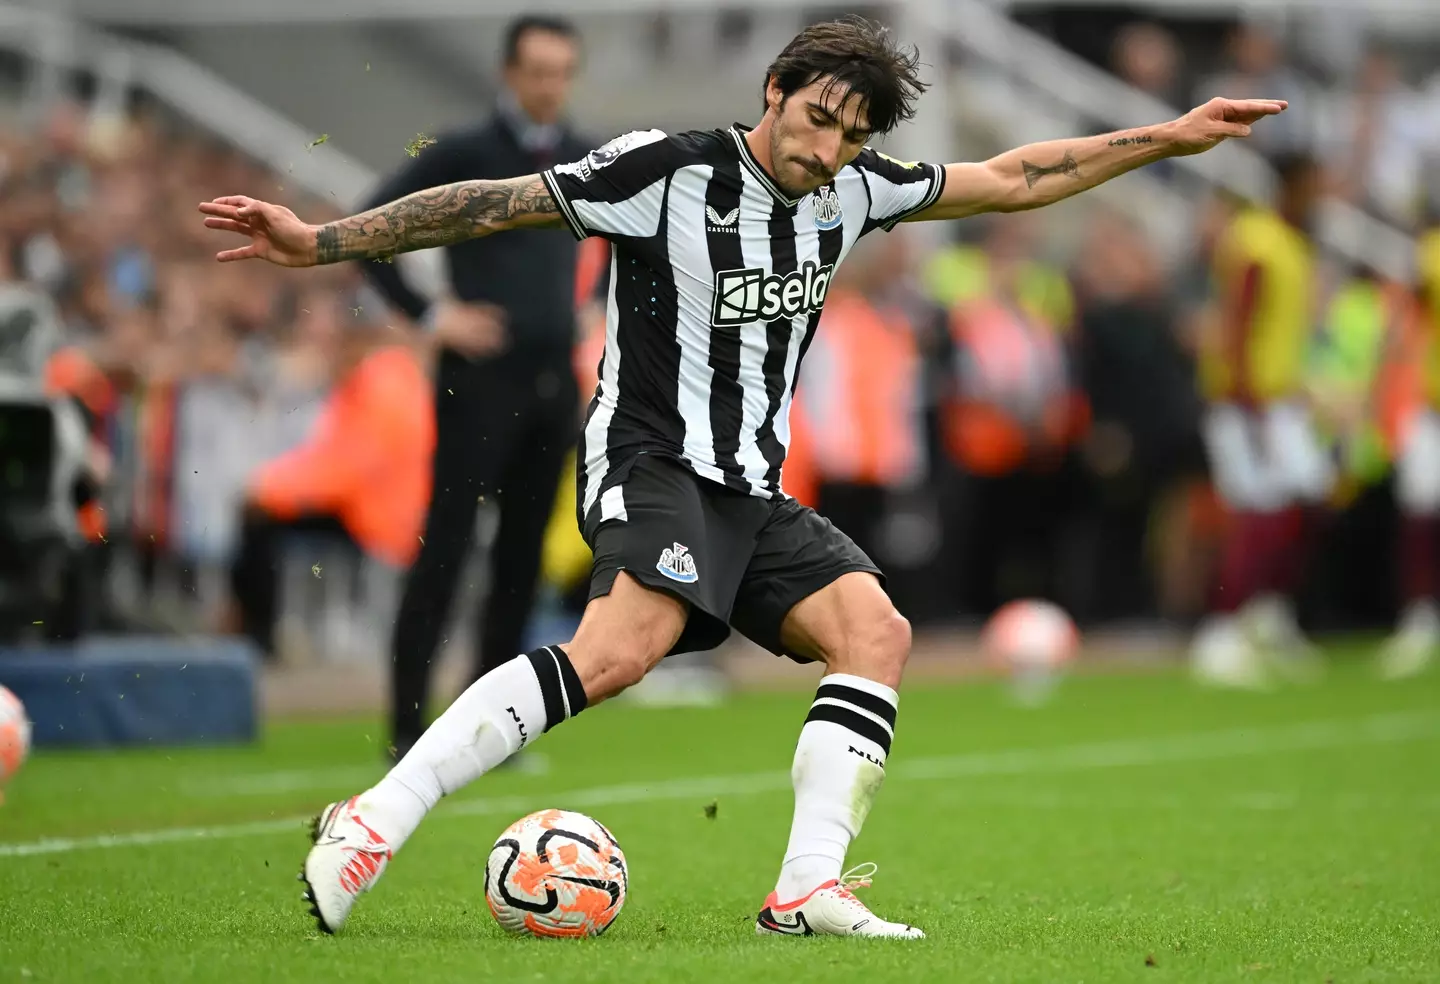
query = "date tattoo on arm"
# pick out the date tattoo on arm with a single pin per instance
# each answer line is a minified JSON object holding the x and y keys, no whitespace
{"x":438,"y":216}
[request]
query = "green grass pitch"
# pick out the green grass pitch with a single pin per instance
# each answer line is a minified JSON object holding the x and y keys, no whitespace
{"x":1134,"y":829}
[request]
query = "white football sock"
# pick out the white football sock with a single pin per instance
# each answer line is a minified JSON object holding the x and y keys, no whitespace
{"x":494,"y":718}
{"x":839,"y":766}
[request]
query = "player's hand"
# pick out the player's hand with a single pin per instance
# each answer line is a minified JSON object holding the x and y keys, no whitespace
{"x":276,"y":234}
{"x":1219,"y":120}
{"x":474,"y":330}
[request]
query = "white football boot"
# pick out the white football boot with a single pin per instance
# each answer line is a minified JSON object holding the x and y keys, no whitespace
{"x":1415,"y":644}
{"x":1221,"y":655}
{"x":348,"y":858}
{"x":1274,"y":631}
{"x":831,"y":910}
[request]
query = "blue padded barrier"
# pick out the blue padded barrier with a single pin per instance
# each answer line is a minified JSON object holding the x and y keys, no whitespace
{"x":136,"y":690}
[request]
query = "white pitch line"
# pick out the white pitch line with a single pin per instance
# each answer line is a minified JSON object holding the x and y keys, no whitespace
{"x":166,"y":835}
{"x":1231,"y":743}
{"x":283,"y":781}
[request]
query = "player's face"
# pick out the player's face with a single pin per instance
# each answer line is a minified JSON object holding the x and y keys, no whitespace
{"x":817,"y":131}
{"x":542,"y":73}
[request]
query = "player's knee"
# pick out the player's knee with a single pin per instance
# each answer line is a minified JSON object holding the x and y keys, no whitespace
{"x":622,"y":636}
{"x":606,"y":666}
{"x":893,"y":638}
{"x":608,"y":660}
{"x":881,"y":647}
{"x":620,"y":672}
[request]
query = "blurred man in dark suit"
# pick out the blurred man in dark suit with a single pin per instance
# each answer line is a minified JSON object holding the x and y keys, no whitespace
{"x":505,"y":396}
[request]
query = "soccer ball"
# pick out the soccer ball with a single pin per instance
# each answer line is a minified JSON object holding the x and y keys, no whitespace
{"x":1032,"y":641}
{"x":1030,"y":633}
{"x":556,"y":873}
{"x":14,"y":735}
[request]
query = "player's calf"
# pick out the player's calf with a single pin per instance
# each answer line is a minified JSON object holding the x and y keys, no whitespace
{"x":840,"y":757}
{"x":621,"y":636}
{"x":494,"y":718}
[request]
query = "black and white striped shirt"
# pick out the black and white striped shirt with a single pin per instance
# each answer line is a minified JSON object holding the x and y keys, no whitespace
{"x":717,"y":281}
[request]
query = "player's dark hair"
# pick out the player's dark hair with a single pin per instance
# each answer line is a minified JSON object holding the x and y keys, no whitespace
{"x":857,"y":55}
{"x":521,"y":26}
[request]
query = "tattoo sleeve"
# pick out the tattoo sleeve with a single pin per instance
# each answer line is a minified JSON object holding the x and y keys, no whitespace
{"x":438,"y":216}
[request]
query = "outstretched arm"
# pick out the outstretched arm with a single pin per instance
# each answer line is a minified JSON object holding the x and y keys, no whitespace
{"x":451,"y":158}
{"x":438,"y":217}
{"x":1041,"y":173}
{"x":434,"y":217}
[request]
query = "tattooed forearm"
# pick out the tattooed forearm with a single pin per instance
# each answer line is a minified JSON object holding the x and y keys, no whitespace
{"x":438,"y":217}
{"x":1020,"y":179}
{"x":1067,"y":167}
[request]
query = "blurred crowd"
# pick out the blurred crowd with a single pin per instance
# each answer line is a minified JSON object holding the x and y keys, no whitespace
{"x":1371,"y":112}
{"x":190,"y":374}
{"x":991,"y":420}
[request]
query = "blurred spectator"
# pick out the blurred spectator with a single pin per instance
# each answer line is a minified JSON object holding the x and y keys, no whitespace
{"x":1005,"y":256}
{"x":1010,"y":416}
{"x":1386,"y":132}
{"x":93,"y":377}
{"x":165,"y":351}
{"x":1145,"y":55}
{"x":1194,"y":280}
{"x":1365,"y":318}
{"x":1257,"y":70}
{"x":1265,"y":453}
{"x":1416,"y":641}
{"x":856,"y":426}
{"x":207,"y":372}
{"x":1357,"y":387}
{"x":1145,"y":412}
{"x":364,"y":473}
{"x":504,"y":394}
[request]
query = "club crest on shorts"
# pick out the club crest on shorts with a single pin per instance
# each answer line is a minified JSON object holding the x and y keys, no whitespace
{"x":677,"y":564}
{"x":828,"y":213}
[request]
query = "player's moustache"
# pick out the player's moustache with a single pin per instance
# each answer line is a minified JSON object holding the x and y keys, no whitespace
{"x":815,"y":167}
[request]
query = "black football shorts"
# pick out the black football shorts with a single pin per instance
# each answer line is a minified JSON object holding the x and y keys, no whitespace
{"x":737,"y":559}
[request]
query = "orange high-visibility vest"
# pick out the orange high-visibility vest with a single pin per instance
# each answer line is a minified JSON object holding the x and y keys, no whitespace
{"x":590,"y":328}
{"x":858,"y":406}
{"x":155,"y":409}
{"x":590,"y":262}
{"x":1400,"y":384}
{"x":368,"y":460}
{"x":71,"y":372}
{"x":1012,"y":394}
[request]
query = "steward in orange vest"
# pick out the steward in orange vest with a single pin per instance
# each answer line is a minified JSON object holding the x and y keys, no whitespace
{"x":364,"y":472}
{"x":856,"y":426}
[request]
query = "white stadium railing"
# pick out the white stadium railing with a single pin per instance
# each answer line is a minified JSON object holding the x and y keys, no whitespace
{"x":1068,"y":80}
{"x":1394,"y":14}
{"x":189,"y":90}
{"x":54,"y":42}
{"x":1046,"y":77}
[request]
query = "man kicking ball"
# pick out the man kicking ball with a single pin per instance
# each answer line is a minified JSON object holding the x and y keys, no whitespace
{"x":724,"y":243}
